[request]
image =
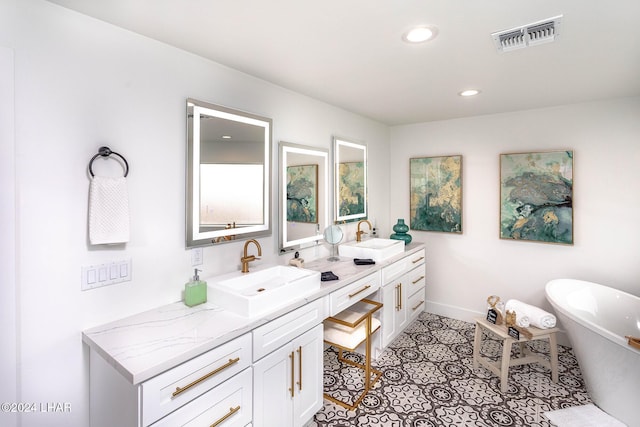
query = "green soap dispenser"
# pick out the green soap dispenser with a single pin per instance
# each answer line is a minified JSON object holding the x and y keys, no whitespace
{"x":195,"y":291}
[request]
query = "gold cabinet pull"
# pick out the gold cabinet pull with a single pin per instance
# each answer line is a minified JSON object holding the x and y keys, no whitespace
{"x":210,"y":374}
{"x":419,"y":304}
{"x":417,"y":260}
{"x":291,"y":389}
{"x":400,"y":298}
{"x":227,"y":415}
{"x":397,"y":297}
{"x":417,"y":280}
{"x":357,"y":292}
{"x":300,"y":368}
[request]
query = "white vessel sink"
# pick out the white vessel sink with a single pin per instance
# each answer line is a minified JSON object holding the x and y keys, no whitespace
{"x":259,"y":291}
{"x":377,"y":249}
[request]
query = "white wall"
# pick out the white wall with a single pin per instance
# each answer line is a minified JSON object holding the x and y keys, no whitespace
{"x":463,"y":270}
{"x":80,"y":84}
{"x":8,"y":324}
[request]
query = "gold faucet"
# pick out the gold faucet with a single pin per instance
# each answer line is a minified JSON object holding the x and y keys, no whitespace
{"x":246,"y":259}
{"x":359,"y":233}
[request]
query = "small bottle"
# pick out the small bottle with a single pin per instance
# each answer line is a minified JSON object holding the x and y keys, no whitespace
{"x":195,"y":291}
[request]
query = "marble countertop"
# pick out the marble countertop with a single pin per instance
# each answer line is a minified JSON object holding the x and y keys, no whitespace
{"x":144,"y":345}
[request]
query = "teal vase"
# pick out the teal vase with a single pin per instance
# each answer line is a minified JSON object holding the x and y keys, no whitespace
{"x":401,"y":232}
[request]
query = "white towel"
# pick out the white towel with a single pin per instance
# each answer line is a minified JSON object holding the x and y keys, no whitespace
{"x":582,"y":416}
{"x":530,"y":315}
{"x":108,"y":210}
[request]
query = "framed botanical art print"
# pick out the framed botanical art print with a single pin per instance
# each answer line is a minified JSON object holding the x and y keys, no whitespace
{"x":302,"y":193}
{"x":436,"y":193}
{"x":351,"y":197}
{"x":536,"y":197}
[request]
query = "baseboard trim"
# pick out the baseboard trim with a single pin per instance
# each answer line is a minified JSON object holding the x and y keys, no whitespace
{"x":452,"y":311}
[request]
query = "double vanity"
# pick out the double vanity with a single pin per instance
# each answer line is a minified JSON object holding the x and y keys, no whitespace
{"x":253,"y":354}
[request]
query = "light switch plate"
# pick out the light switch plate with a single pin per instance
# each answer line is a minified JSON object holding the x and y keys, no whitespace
{"x":196,"y":256}
{"x":96,"y":276}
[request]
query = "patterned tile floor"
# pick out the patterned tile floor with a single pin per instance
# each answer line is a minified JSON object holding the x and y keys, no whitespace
{"x":428,"y":380}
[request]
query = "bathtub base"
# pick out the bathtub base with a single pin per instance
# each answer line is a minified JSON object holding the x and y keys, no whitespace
{"x":614,"y":389}
{"x":596,"y":318}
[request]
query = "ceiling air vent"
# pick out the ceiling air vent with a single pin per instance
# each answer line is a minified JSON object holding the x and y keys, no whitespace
{"x":533,"y":34}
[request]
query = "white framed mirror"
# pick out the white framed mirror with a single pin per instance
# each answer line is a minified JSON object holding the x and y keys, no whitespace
{"x":350,"y":190}
{"x":303,"y":195}
{"x":228,"y":174}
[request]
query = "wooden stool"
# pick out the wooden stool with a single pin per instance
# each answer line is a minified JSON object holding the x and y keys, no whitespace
{"x":346,"y":331}
{"x":502,"y":369}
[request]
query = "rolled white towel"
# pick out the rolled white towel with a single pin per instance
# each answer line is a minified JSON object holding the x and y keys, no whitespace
{"x":522,"y":320}
{"x":530,"y":315}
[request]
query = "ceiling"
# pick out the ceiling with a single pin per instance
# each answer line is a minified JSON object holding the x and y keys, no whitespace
{"x":350,"y":53}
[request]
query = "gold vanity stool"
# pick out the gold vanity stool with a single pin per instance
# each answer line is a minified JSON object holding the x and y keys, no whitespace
{"x":502,"y":369}
{"x":346,"y":331}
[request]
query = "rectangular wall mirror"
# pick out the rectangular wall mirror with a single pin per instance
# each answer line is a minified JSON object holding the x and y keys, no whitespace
{"x":304,"y":195}
{"x":350,"y":193}
{"x":228,"y":177}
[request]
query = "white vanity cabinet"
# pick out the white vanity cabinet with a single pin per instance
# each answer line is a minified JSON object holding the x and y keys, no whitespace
{"x":416,"y":301}
{"x":227,"y":405}
{"x":287,"y":380}
{"x":200,"y":366}
{"x":209,"y":388}
{"x":403,"y":294}
{"x":394,"y":316}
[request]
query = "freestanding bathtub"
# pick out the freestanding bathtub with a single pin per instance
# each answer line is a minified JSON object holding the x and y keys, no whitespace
{"x":597,"y":319}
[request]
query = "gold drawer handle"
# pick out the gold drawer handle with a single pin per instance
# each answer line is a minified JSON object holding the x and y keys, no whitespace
{"x":396,"y":307}
{"x":292,"y":389}
{"x":417,"y":260}
{"x":231,"y":412}
{"x":417,"y":280}
{"x":210,"y":374}
{"x":399,"y":297}
{"x":300,"y":367}
{"x":357,"y":292}
{"x":419,"y":304}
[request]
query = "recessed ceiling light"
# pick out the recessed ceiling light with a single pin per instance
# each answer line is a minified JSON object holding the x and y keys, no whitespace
{"x":226,"y":136}
{"x":469,"y":92}
{"x":419,"y":34}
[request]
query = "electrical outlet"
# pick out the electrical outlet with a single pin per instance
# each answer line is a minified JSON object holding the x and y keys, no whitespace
{"x":96,"y":276}
{"x":196,"y":256}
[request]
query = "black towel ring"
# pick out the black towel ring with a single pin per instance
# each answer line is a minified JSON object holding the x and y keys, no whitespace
{"x":106,"y":152}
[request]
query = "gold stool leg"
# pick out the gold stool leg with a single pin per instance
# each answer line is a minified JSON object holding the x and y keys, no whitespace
{"x":368,"y":370}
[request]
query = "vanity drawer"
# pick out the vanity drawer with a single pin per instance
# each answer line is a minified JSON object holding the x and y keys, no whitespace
{"x":350,"y":294}
{"x":415,"y":280}
{"x":160,"y":394}
{"x":280,"y":331}
{"x":402,"y":265}
{"x":229,"y":405}
{"x":416,"y":304}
